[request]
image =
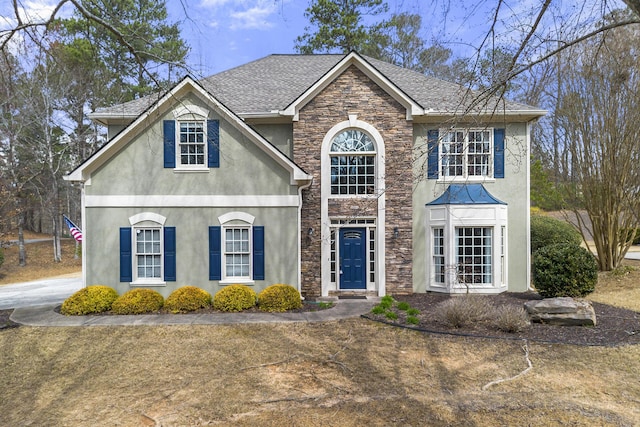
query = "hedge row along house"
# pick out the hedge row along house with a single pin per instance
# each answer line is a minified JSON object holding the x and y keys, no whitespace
{"x":337,"y":174}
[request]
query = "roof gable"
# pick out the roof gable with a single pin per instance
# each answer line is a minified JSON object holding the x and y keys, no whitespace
{"x":353,"y":59}
{"x":83,"y":172}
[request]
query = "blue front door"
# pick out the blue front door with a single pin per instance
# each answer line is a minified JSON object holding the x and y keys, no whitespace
{"x":353,"y":255}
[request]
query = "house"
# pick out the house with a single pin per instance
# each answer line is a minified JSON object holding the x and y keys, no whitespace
{"x":337,"y":174}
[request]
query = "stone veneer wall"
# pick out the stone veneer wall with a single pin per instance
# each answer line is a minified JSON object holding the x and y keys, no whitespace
{"x":354,"y":93}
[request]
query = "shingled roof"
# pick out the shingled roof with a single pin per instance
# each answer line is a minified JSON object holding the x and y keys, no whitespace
{"x":272,"y":83}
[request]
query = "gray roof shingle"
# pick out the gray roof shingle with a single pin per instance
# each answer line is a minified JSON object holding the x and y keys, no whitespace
{"x":275,"y":81}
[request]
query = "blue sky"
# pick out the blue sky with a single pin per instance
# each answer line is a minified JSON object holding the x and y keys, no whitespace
{"x":227,"y":33}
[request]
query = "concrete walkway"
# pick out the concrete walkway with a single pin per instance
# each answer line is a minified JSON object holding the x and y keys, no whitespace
{"x":46,"y":316}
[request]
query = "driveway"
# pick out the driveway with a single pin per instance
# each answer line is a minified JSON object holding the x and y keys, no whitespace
{"x":39,"y":292}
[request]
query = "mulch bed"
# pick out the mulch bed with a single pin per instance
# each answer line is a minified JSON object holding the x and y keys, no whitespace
{"x":615,"y":326}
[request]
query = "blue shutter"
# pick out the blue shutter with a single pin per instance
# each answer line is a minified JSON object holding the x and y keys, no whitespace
{"x":170,"y":254}
{"x":169,"y":132}
{"x":258,"y":253}
{"x":213,"y":141}
{"x":126,"y":266}
{"x":433,"y":157}
{"x":215,"y":253}
{"x":498,"y":153}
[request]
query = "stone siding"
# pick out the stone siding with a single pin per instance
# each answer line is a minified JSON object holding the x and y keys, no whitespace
{"x":354,"y":93}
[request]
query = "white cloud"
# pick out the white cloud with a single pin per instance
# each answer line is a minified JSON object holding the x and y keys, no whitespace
{"x":242,"y":14}
{"x":254,"y":18}
{"x":213,"y":3}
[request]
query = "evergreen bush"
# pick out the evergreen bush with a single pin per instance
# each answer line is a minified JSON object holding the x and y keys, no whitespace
{"x":546,"y":231}
{"x":234,"y":298}
{"x":564,"y":270}
{"x":92,"y":299}
{"x":138,"y":301}
{"x":279,"y":298}
{"x":187,"y":298}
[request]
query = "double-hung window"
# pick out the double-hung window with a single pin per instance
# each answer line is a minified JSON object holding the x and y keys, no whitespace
{"x":237,"y":253}
{"x":466,"y":153}
{"x":236,"y":249}
{"x":192,"y":144}
{"x":147,"y":251}
{"x":148,"y":255}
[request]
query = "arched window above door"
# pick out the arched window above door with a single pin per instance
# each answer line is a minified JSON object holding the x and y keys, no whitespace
{"x":353,"y":163}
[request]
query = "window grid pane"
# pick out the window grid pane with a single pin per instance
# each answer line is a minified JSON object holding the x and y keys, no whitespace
{"x":474,"y":255}
{"x":438,"y":254}
{"x":353,"y":175}
{"x":148,"y":253}
{"x":333,"y":256}
{"x":192,"y":143}
{"x":237,"y":255}
{"x":466,"y":153}
{"x":372,"y":255}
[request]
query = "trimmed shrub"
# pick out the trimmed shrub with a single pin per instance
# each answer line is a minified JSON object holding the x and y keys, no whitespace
{"x":92,"y":299}
{"x":187,"y":298}
{"x":234,"y":298}
{"x":564,"y":270}
{"x":138,"y":301}
{"x":464,"y":310}
{"x":510,"y":319}
{"x":546,"y":231}
{"x":279,"y":298}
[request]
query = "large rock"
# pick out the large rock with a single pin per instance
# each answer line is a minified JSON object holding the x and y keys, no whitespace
{"x":561,"y":311}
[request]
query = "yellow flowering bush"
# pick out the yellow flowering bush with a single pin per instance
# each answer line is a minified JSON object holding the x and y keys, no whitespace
{"x":234,"y":298}
{"x":138,"y":301}
{"x":279,"y":298}
{"x":92,"y":299}
{"x":187,"y":298}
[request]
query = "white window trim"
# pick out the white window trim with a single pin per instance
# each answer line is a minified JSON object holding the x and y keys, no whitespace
{"x":204,"y":167}
{"x":465,"y":177}
{"x":136,"y":223}
{"x":451,"y":217}
{"x":147,"y":281}
{"x":236,"y":220}
{"x":380,"y":199}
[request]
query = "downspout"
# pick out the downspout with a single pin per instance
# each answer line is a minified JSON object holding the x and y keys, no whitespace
{"x":300,"y":189}
{"x":83,"y":216}
{"x":528,"y":220}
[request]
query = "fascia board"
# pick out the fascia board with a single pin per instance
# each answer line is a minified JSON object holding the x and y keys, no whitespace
{"x":353,"y":59}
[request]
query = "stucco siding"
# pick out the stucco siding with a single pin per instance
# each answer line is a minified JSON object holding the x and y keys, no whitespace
{"x":192,"y":246}
{"x":513,"y":189}
{"x":138,"y":168}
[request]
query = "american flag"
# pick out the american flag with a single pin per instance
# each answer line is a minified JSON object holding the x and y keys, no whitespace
{"x":75,"y":231}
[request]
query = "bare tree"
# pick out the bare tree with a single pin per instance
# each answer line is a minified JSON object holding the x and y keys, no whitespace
{"x":600,"y":119}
